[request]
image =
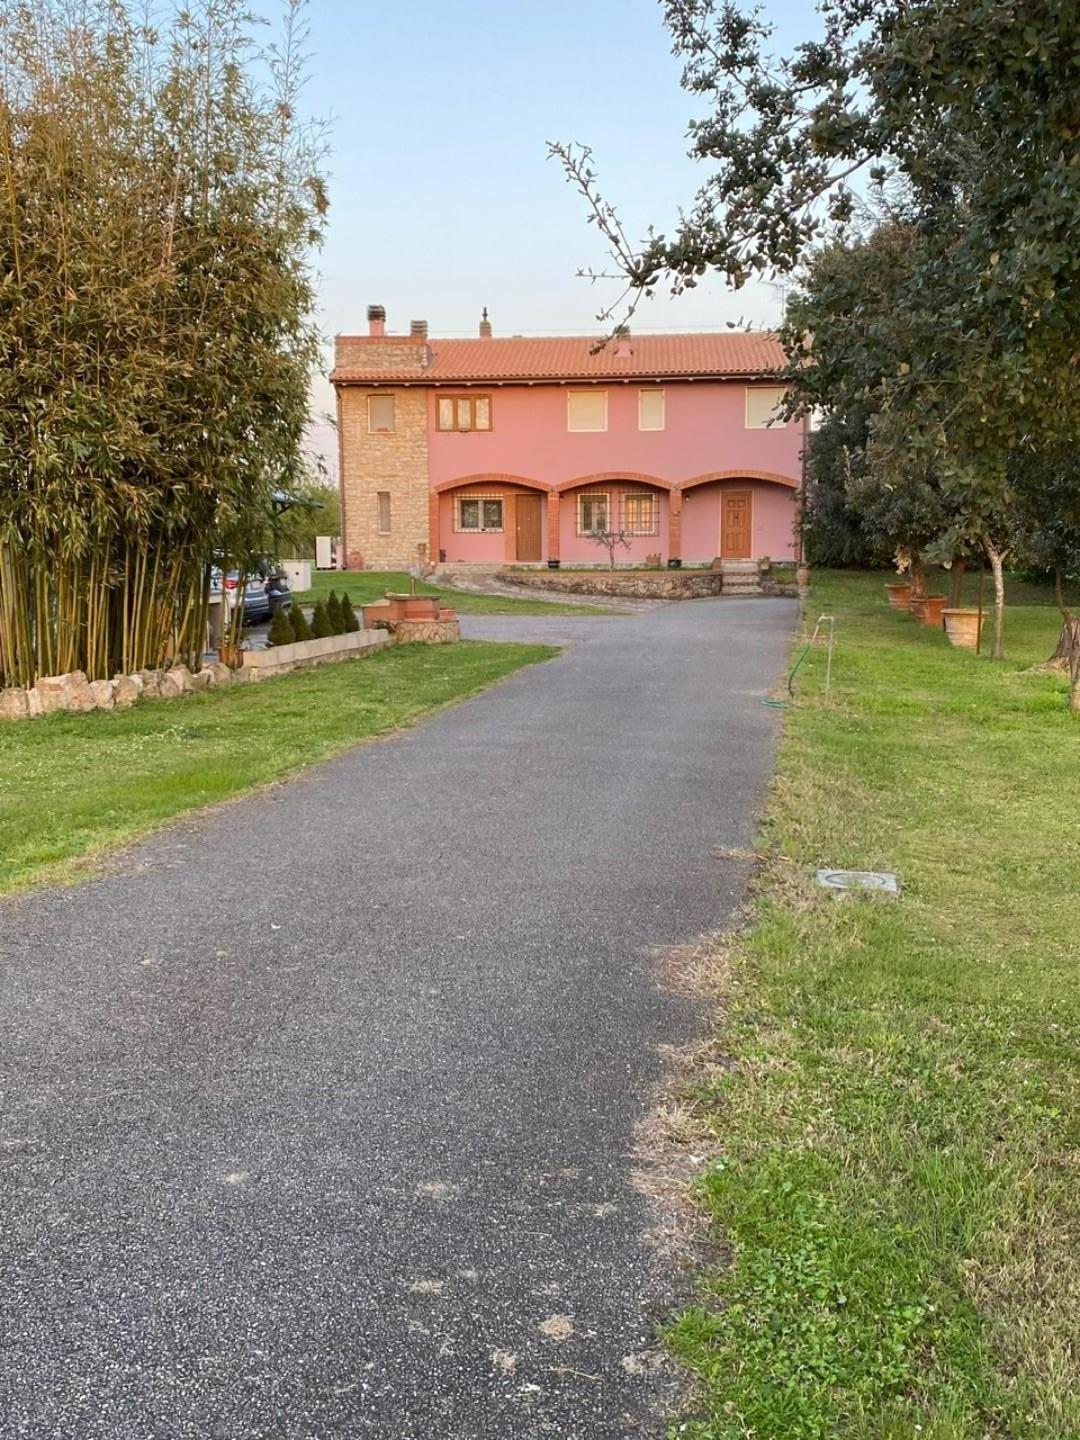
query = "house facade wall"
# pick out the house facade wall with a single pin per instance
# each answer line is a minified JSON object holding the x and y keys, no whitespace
{"x":529,"y":446}
{"x":704,"y":430}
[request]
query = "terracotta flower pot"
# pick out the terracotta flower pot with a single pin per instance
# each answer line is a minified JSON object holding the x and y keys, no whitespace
{"x":899,"y":596}
{"x":931,"y":609}
{"x":962,"y":627}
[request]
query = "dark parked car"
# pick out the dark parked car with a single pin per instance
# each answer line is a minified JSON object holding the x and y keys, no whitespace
{"x":266,"y":590}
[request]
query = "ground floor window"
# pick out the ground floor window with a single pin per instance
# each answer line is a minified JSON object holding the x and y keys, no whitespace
{"x":592,"y":513}
{"x":479,"y":514}
{"x":640,"y":513}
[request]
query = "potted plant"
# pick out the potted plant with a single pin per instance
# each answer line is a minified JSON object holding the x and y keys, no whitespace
{"x":963,"y":627}
{"x":900,"y":591}
{"x":929,"y":610}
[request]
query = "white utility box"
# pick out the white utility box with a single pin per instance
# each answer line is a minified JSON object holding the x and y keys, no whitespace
{"x":326,"y":547}
{"x":297,"y":573}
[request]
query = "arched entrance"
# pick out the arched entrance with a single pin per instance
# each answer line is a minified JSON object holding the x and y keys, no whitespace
{"x":617,"y":503}
{"x":491,"y":520}
{"x":738,"y":516}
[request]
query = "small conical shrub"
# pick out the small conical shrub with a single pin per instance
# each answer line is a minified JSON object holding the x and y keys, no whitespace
{"x":334,"y":615}
{"x":352,"y":624}
{"x":281,"y":630}
{"x":301,"y":630}
{"x":320,"y":622}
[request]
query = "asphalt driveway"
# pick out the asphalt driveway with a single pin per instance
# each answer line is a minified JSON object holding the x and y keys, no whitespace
{"x":327,"y":1133}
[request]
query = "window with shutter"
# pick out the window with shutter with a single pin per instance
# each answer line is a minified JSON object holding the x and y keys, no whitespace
{"x":586,"y":410}
{"x":380,"y":412}
{"x":762,"y":403}
{"x":650,"y":409}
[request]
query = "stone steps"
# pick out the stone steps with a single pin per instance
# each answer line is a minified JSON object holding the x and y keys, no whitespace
{"x":741,"y":577}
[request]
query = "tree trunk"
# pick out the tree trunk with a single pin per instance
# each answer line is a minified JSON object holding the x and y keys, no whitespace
{"x":959,"y":566}
{"x":997,"y":565}
{"x":1066,"y":655}
{"x":917,"y":571}
{"x":1068,"y":640}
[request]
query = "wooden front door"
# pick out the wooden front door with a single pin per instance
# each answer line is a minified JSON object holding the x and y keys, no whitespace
{"x":528,"y":528}
{"x":736,"y":507}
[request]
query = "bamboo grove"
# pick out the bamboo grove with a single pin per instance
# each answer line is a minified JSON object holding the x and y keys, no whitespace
{"x":159,"y":202}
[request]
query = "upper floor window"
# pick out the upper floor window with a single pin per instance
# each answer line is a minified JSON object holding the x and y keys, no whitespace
{"x":650,"y":410}
{"x":586,"y":410}
{"x":382,"y":509}
{"x":380,"y":414}
{"x":463,"y":412}
{"x":762,"y":405}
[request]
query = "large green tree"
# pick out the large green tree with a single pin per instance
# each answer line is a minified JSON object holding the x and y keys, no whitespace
{"x":974,"y":105}
{"x":970,"y":111}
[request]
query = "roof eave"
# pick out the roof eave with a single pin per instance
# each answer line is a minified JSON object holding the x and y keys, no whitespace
{"x":458,"y":382}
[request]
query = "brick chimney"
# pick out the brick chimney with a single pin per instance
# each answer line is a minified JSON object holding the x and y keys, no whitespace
{"x":623,"y":349}
{"x":376,"y":320}
{"x":418,"y":329}
{"x":485,"y":326}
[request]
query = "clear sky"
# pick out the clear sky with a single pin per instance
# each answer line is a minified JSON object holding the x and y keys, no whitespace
{"x":442,"y":199}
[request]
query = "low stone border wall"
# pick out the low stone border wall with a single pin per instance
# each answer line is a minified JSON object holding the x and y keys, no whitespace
{"x":280,"y":659}
{"x":75,"y":694}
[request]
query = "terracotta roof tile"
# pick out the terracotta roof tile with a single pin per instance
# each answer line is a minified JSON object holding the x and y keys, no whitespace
{"x":570,"y":358}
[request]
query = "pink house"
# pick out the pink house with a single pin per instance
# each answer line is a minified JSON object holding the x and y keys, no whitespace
{"x":522,"y":450}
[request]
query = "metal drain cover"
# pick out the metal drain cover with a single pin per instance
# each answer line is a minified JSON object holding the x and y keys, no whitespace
{"x":859,"y":880}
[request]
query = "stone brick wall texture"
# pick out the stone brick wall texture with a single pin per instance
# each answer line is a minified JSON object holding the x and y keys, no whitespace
{"x":396,"y":462}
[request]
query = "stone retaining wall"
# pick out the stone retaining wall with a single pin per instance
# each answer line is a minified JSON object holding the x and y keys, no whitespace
{"x":637,"y":584}
{"x":634,"y":584}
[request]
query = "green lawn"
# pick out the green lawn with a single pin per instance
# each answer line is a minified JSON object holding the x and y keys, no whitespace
{"x":891,"y":1111}
{"x":364,"y":586}
{"x":72,"y":786}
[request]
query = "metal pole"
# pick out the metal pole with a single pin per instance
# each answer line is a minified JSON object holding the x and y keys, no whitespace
{"x":978,"y":631}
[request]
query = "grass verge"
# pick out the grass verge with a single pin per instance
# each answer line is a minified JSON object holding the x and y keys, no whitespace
{"x":365,"y":586}
{"x":74,"y":786}
{"x":894,"y":1115}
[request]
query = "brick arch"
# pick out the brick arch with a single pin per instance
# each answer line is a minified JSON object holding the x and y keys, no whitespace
{"x":490,"y":479}
{"x":770,"y":475}
{"x":608,"y":476}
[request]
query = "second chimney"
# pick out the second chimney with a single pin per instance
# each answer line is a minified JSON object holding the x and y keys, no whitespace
{"x":376,"y":320}
{"x":485,"y":326}
{"x":418,"y":329}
